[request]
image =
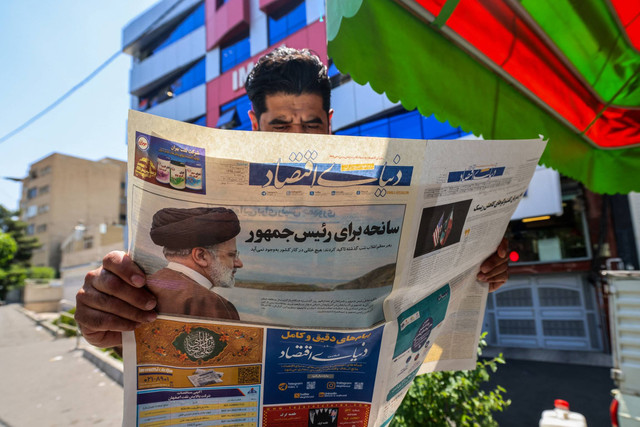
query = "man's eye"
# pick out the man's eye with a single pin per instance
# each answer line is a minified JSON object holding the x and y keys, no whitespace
{"x":280,"y":127}
{"x":314,"y":126}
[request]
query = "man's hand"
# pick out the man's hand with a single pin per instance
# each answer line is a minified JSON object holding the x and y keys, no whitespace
{"x":494,"y":269}
{"x":113,"y":300}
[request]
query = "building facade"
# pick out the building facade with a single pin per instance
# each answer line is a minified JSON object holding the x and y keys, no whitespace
{"x":190,"y":59}
{"x":61,"y":192}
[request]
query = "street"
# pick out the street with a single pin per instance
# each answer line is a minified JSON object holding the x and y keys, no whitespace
{"x":46,"y":382}
{"x":533,"y":386}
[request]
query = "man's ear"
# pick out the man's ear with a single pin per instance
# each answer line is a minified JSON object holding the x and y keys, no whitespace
{"x":330,"y":115}
{"x":254,"y":120}
{"x":201,"y":257}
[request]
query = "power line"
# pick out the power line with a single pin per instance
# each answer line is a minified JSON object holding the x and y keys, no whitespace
{"x":85,"y":80}
{"x":60,"y":100}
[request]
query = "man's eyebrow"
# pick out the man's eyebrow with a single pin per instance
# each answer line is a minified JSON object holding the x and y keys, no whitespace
{"x":280,"y":122}
{"x":312,"y":121}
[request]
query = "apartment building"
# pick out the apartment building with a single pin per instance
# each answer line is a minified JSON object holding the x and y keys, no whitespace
{"x":61,"y":192}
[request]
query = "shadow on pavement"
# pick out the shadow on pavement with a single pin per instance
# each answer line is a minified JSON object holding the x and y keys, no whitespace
{"x":533,"y":386}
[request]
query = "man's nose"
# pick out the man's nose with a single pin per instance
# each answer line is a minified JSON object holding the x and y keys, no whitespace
{"x":237,"y":263}
{"x":299,"y":128}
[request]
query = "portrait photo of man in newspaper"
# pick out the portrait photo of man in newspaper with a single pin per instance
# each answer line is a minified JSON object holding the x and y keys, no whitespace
{"x":200,"y":245}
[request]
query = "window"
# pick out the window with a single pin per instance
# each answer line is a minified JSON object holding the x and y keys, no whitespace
{"x":42,"y":228}
{"x":287,"y":23}
{"x":335,"y":76}
{"x":517,"y":326}
{"x":201,"y":121}
{"x":43,"y":209}
{"x":32,"y":211}
{"x":233,"y":115}
{"x":30,"y":229}
{"x":32,"y":192}
{"x":515,"y":298}
{"x":555,"y":238}
{"x":194,"y":76}
{"x":43,"y":190}
{"x":87,"y":242}
{"x":190,"y":23}
{"x":45,"y":170}
{"x":234,"y":53}
{"x":405,"y":124}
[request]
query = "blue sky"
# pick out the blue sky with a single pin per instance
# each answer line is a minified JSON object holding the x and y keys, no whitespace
{"x":46,"y":47}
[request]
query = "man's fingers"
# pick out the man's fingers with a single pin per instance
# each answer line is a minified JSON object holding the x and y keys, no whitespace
{"x":109,"y":285}
{"x":493,"y":286}
{"x":503,"y":248}
{"x":121,"y":264}
{"x":496,"y":271}
{"x":102,"y":311}
{"x":102,"y":338}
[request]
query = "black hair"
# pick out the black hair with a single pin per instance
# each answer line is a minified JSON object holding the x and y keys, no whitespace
{"x":289,"y":71}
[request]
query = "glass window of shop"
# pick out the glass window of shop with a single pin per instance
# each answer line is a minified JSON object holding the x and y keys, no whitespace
{"x":234,"y":115}
{"x":192,"y":77}
{"x":200,"y":121}
{"x":234,"y":53}
{"x":191,"y":22}
{"x":546,"y":239}
{"x":405,"y":124}
{"x":287,"y":22}
{"x":335,"y":76}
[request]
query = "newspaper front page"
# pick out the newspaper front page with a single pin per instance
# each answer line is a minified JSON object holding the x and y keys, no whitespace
{"x":350,"y":268}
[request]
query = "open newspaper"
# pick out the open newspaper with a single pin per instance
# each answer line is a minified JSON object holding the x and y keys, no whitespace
{"x":354,"y":269}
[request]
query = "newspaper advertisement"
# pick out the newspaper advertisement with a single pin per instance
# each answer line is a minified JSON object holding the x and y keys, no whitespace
{"x":305,"y":280}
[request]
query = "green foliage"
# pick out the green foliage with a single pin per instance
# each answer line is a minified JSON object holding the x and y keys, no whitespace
{"x":453,"y":397}
{"x":112,"y":353}
{"x":8,"y":249}
{"x":68,"y":320}
{"x":11,"y":224}
{"x":13,"y":269}
{"x":11,"y":278}
{"x":41,"y":273}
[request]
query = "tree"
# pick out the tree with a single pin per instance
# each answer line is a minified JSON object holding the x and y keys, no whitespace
{"x":8,"y":249}
{"x":11,"y":224}
{"x":453,"y":398}
{"x":16,"y":249}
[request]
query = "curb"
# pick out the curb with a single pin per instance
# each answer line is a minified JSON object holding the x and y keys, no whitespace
{"x":113,"y":368}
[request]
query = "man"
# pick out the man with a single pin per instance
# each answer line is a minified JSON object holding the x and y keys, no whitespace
{"x":200,"y":245}
{"x":290,"y":92}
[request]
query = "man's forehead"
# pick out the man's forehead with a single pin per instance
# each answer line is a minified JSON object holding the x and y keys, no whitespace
{"x":295,"y":102}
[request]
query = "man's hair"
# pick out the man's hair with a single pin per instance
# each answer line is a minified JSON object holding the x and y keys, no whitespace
{"x":181,"y":253}
{"x":289,"y":71}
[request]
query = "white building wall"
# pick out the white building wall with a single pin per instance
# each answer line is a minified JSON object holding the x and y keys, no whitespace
{"x":212,"y":64}
{"x":352,"y":103}
{"x":315,"y":10}
{"x":188,"y":106}
{"x":258,"y":38}
{"x":141,"y":24}
{"x":179,"y":54}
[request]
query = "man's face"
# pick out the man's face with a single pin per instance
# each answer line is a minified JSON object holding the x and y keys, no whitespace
{"x":222,"y":269}
{"x":293,"y":113}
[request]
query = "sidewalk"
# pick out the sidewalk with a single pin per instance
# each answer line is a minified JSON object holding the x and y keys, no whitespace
{"x":47,"y":382}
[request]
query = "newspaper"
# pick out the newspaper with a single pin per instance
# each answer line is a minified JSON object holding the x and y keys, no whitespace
{"x":355,"y":270}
